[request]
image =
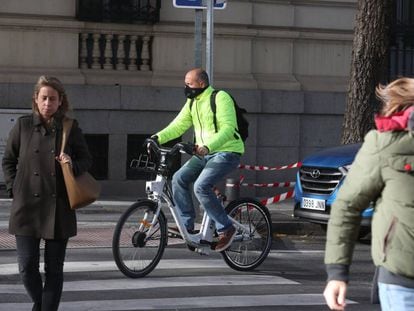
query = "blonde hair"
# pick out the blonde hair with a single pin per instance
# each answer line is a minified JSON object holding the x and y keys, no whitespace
{"x":396,"y":96}
{"x":58,"y":87}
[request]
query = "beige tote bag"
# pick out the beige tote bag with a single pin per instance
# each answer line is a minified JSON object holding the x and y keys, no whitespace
{"x":83,"y":189}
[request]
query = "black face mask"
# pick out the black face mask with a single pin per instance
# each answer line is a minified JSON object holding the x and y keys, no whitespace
{"x":193,"y":92}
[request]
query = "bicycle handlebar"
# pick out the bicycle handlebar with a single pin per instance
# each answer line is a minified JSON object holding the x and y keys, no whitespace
{"x":188,"y":148}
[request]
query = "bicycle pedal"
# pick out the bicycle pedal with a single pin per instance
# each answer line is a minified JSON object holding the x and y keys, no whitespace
{"x":203,"y":251}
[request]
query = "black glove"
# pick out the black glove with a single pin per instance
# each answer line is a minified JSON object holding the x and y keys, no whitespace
{"x":150,"y":150}
{"x":155,"y":138}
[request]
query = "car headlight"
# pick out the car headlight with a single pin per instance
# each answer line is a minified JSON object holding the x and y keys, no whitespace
{"x":345,"y":169}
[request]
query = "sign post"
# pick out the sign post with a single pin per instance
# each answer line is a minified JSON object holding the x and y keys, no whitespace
{"x":209,"y":40}
{"x":198,"y":38}
{"x":199,"y":5}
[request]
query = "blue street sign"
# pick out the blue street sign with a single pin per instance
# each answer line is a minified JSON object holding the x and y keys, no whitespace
{"x":198,"y":4}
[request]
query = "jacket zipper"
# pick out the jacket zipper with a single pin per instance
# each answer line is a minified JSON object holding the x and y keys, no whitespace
{"x":388,"y":236}
{"x":199,"y":122}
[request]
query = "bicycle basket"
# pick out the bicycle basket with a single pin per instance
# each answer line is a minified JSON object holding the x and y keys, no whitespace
{"x":143,"y":163}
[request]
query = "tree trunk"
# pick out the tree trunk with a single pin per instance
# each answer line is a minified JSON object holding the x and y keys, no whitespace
{"x":369,"y":59}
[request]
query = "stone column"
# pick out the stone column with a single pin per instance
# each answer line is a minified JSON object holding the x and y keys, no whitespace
{"x":133,"y":54}
{"x":95,"y":52}
{"x":108,"y":52}
{"x":121,"y":53}
{"x":145,"y":56}
{"x":84,"y":51}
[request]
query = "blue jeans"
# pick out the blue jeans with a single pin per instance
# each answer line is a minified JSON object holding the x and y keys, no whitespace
{"x":204,"y":173}
{"x":395,"y":297}
{"x":47,"y":296}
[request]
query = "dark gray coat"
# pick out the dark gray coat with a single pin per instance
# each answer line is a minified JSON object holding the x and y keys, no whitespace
{"x":40,"y":205}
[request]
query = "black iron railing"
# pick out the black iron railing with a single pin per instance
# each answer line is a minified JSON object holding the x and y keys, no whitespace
{"x":119,"y":11}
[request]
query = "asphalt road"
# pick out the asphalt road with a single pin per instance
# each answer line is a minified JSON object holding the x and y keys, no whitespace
{"x":291,"y":278}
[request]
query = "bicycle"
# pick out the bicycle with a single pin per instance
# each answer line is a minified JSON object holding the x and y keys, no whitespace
{"x":141,"y":233}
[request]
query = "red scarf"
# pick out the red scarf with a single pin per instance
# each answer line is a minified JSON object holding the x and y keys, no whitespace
{"x":395,"y":122}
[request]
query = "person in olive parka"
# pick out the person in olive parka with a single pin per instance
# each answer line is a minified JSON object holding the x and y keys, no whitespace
{"x":383,"y":173}
{"x":40,"y":207}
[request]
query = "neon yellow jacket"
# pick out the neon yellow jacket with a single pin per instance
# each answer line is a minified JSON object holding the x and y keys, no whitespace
{"x":202,"y":119}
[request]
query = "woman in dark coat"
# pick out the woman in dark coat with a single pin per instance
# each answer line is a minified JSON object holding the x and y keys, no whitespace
{"x":40,"y":208}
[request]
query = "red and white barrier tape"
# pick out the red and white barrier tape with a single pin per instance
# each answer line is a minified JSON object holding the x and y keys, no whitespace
{"x":279,"y":197}
{"x":267,"y":168}
{"x":272,"y":185}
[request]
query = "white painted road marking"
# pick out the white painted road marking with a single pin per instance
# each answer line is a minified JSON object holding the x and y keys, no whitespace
{"x":82,"y":266}
{"x":161,"y":282}
{"x":182,"y":303}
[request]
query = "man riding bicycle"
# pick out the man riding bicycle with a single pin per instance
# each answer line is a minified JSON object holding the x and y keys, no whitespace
{"x":217,"y":153}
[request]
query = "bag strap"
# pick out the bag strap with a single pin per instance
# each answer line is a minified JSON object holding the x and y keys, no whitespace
{"x":67,"y":126}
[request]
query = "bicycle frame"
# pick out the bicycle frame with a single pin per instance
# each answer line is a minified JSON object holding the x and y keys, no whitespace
{"x":159,"y":191}
{"x":141,"y":235}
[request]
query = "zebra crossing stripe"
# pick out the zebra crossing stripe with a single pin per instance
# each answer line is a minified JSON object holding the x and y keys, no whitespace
{"x":91,"y":266}
{"x":183,"y":303}
{"x":82,"y":266}
{"x":162,"y":282}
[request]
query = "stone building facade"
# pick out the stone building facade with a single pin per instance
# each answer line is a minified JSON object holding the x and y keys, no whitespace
{"x":287,"y":62}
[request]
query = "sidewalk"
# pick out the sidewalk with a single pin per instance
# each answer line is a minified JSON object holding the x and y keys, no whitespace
{"x":97,"y":222}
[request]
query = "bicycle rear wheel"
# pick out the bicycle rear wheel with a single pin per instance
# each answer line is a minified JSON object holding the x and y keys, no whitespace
{"x":136,"y":247}
{"x":250,"y":248}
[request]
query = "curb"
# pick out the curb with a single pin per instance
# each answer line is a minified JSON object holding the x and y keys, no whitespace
{"x":297,"y":228}
{"x":282,"y":220}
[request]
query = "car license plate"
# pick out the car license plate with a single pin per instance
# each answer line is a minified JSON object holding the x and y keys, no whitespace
{"x":314,"y":204}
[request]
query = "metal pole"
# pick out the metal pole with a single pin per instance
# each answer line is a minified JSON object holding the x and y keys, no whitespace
{"x":198,"y":37}
{"x":209,"y":39}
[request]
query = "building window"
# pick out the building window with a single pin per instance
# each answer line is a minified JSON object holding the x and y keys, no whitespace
{"x":401,"y":52}
{"x":98,"y":148}
{"x":119,"y":11}
{"x":135,"y":148}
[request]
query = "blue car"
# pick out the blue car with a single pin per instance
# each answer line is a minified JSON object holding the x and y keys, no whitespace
{"x":318,"y":181}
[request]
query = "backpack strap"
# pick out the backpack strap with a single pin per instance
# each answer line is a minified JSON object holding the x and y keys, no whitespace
{"x":213,"y":107}
{"x":191,"y":104}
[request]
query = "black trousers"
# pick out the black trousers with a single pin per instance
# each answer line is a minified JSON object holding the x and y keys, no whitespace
{"x":45,"y":297}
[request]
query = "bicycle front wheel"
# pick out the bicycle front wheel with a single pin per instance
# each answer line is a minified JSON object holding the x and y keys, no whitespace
{"x":136,"y":246}
{"x":252,"y":244}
